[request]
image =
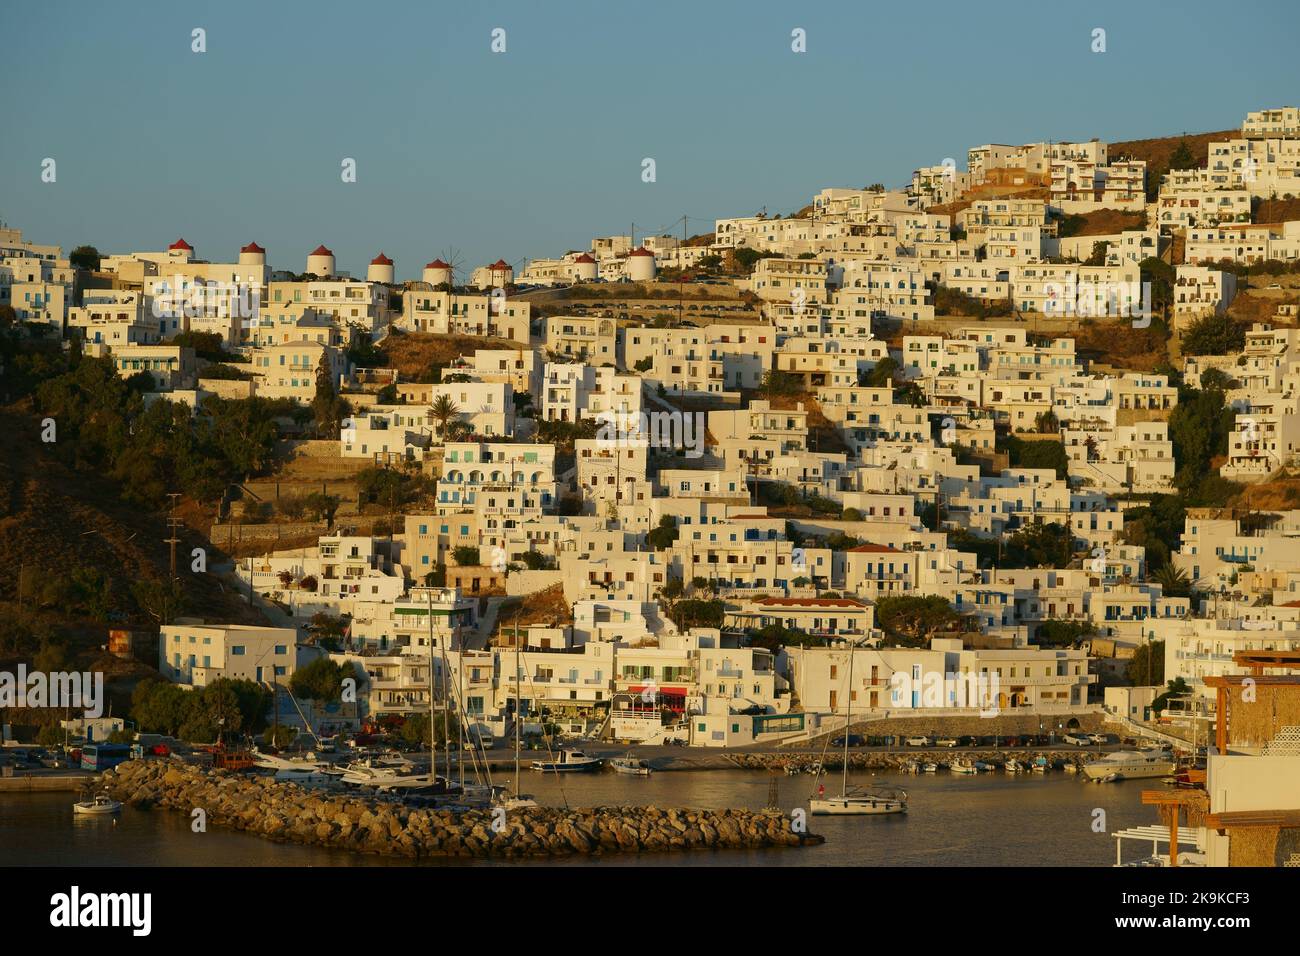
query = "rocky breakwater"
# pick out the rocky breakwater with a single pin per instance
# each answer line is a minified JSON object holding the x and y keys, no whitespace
{"x":287,"y":812}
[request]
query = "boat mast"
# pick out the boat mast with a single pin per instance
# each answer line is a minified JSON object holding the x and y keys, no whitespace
{"x":848,"y":711}
{"x":433,"y":744}
{"x":446,"y":707}
{"x":518,"y":702}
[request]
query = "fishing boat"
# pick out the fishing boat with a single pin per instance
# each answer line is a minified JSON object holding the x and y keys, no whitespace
{"x":982,"y":767}
{"x":568,"y":761}
{"x":963,"y":766}
{"x":929,"y":767}
{"x":1012,"y":765}
{"x":854,"y":801}
{"x":1040,"y":765}
{"x":1130,"y":765}
{"x":101,"y":804}
{"x":631,"y":766}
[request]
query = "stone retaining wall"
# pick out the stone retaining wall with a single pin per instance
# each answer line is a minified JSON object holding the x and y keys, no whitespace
{"x":287,"y":812}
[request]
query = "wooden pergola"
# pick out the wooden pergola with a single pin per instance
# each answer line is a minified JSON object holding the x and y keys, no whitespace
{"x":1170,"y":804}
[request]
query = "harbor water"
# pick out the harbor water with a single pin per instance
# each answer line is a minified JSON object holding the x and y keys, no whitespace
{"x":993,"y":819}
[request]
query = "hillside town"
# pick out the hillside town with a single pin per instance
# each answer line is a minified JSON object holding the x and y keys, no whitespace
{"x":1009,"y":449}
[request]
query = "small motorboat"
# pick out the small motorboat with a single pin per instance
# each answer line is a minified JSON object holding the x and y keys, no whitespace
{"x":962,"y":765}
{"x":1012,"y":765}
{"x":631,"y":766}
{"x":929,"y":767}
{"x":102,"y":804}
{"x":568,"y":761}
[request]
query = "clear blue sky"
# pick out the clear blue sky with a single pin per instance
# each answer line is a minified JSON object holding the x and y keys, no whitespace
{"x":532,"y":152}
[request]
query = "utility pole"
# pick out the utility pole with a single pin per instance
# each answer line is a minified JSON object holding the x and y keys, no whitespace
{"x":172,"y":524}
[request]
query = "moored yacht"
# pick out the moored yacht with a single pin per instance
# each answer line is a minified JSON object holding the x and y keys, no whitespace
{"x":1130,"y":765}
{"x":858,"y":801}
{"x":567,"y":761}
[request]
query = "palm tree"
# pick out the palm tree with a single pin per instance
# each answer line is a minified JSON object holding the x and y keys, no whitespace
{"x":444,"y":410}
{"x":1173,"y":581}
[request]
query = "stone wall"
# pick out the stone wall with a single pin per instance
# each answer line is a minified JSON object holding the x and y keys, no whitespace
{"x":287,"y":812}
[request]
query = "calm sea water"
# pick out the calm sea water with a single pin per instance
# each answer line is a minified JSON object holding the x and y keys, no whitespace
{"x":992,"y":819}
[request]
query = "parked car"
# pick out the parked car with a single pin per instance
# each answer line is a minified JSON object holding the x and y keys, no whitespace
{"x":917,"y":741}
{"x":966,"y":741}
{"x":1077,"y":740}
{"x":1099,"y":738}
{"x":946,"y":742}
{"x":855,"y":740}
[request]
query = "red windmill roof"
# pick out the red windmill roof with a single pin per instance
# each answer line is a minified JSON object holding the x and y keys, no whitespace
{"x":437,"y":264}
{"x":640,"y":251}
{"x":321,"y":251}
{"x":252,"y":247}
{"x":500,"y":264}
{"x":381,"y":260}
{"x":584,"y":258}
{"x":181,"y":244}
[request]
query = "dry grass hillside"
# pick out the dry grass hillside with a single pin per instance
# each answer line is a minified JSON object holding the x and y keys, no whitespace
{"x":1105,"y":222}
{"x":1277,"y":210}
{"x":414,"y":354}
{"x":1120,"y":346}
{"x":1157,"y":150}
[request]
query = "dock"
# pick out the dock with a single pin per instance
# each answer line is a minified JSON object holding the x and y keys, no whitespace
{"x":66,"y":781}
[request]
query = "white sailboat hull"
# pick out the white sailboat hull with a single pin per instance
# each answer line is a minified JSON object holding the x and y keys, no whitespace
{"x":855,"y":806}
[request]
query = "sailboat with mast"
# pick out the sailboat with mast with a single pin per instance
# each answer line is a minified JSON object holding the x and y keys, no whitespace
{"x":855,"y":801}
{"x":517,"y":800}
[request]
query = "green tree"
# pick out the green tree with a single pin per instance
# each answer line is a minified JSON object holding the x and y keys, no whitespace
{"x":1214,"y":334}
{"x":327,"y":408}
{"x":1036,"y":454}
{"x":1043,"y":544}
{"x":320,"y":680}
{"x":664,"y":535}
{"x":466,"y":556}
{"x":882,"y":374}
{"x":1199,"y":428}
{"x":1181,"y":157}
{"x":912,"y":620}
{"x":84,"y":257}
{"x":1147,"y":667}
{"x":1161,"y":276}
